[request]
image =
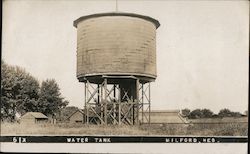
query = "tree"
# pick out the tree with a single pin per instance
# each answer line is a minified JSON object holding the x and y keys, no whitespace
{"x":201,"y":113}
{"x":195,"y":114}
{"x":237,"y":114}
{"x":228,"y":113}
{"x":28,"y":92}
{"x":225,"y":113}
{"x":7,"y":105}
{"x":50,"y":100}
{"x":206,"y":113}
{"x":185,"y":112}
{"x":19,"y":91}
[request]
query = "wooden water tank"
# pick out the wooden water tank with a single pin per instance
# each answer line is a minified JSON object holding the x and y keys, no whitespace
{"x":119,"y":44}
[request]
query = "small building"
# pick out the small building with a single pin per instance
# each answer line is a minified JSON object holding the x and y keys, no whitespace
{"x":79,"y":116}
{"x":33,"y":118}
{"x":167,"y":117}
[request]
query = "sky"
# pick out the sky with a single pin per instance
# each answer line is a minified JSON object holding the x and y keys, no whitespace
{"x":202,"y":48}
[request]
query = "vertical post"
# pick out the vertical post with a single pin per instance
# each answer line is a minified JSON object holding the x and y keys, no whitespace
{"x":101,"y":104}
{"x":149,"y":101}
{"x":142,"y":102}
{"x":98,"y":94}
{"x":132,"y":111}
{"x":98,"y":105}
{"x":105,"y":102}
{"x":86,"y":103}
{"x":85,"y":108}
{"x":137,"y":100}
{"x":119,"y":106}
{"x":114,"y":104}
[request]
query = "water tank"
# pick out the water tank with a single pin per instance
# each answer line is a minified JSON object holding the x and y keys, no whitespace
{"x":118,"y":44}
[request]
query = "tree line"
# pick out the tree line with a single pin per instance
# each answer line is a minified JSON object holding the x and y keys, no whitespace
{"x":21,"y":93}
{"x":206,"y":113}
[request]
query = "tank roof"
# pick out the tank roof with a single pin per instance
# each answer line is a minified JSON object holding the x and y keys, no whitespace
{"x":154,"y":21}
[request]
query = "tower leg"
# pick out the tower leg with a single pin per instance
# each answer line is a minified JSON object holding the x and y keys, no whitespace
{"x":105,"y":102}
{"x":137,"y":101}
{"x":117,"y":103}
{"x":149,"y":103}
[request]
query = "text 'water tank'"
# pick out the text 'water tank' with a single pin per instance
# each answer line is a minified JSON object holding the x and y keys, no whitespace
{"x":116,"y":44}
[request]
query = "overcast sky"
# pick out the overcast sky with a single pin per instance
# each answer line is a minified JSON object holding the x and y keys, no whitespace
{"x":202,"y":47}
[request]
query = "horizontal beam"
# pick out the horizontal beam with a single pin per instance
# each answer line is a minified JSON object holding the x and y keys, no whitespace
{"x":119,"y":77}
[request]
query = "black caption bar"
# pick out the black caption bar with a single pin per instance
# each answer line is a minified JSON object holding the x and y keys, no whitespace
{"x":120,"y":139}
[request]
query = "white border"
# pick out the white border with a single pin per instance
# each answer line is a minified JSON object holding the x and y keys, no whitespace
{"x":201,"y":148}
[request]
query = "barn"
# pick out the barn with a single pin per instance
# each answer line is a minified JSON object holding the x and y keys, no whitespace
{"x":167,"y":116}
{"x":79,"y":117}
{"x":33,"y":118}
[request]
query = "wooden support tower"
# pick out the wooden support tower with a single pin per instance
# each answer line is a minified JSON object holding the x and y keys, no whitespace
{"x":117,"y":100}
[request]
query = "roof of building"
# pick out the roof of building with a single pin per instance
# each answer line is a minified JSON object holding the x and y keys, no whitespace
{"x":154,"y":21}
{"x":36,"y":115}
{"x":166,"y":111}
{"x":167,"y":116}
{"x":91,"y":114}
{"x":81,"y":111}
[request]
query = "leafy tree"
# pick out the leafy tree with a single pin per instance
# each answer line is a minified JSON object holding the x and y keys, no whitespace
{"x":225,"y":113}
{"x":237,"y":114}
{"x":195,"y":114}
{"x":28,"y":92}
{"x":185,"y":112}
{"x":201,"y":113}
{"x":7,"y":105}
{"x":50,"y":100}
{"x":228,"y":113}
{"x":19,"y":91}
{"x":206,"y":113}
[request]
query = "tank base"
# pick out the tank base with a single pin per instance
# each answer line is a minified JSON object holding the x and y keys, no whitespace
{"x":126,"y":101}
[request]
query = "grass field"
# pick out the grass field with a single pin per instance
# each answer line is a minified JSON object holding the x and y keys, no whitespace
{"x":221,"y":120}
{"x":225,"y":129}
